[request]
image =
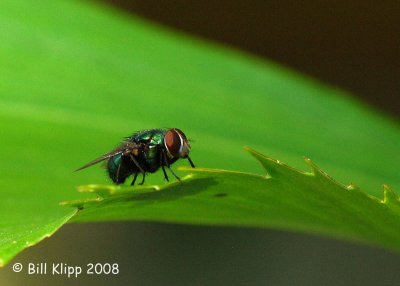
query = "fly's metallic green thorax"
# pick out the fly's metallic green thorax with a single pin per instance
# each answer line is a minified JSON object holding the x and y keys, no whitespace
{"x":151,"y":140}
{"x":152,"y":136}
{"x":145,"y":151}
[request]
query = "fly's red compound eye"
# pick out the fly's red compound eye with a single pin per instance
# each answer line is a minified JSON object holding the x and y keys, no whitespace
{"x":181,"y":134}
{"x":173,"y":142}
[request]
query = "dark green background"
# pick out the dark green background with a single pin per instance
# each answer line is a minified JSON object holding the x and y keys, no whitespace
{"x":354,"y":45}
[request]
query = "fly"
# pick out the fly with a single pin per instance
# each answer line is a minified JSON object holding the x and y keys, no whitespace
{"x":144,"y":152}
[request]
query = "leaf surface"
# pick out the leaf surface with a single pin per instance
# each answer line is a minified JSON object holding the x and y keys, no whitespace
{"x":283,"y":199}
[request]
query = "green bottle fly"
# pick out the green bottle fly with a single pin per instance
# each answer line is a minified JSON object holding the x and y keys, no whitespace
{"x":145,"y":152}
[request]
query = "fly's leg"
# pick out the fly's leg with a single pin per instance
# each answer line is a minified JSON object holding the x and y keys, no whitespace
{"x":139,"y":167}
{"x":191,"y":162}
{"x":136,"y":163}
{"x":167,"y":164}
{"x":165,"y":173}
{"x":162,"y":166}
{"x":117,"y":178}
{"x":144,"y":175}
{"x":134,"y":179}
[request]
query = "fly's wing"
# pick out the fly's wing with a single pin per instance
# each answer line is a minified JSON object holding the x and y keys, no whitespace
{"x":102,"y":158}
{"x":125,"y":147}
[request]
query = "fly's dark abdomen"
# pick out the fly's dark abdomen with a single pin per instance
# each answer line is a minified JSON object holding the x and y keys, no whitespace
{"x":119,"y":168}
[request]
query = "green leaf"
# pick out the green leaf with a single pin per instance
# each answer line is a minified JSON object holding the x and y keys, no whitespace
{"x":284,"y":199}
{"x":77,"y":77}
{"x":15,"y":235}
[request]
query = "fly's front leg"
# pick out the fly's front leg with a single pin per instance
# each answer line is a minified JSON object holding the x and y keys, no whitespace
{"x":167,"y":164}
{"x":165,"y":173}
{"x":162,"y":163}
{"x":191,"y":162}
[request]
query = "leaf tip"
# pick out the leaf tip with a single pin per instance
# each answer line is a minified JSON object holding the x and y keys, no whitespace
{"x":352,"y":187}
{"x":316,"y":171}
{"x":274,"y":168}
{"x":389,"y":196}
{"x":79,"y":204}
{"x":101,"y":190}
{"x":270,"y":165}
{"x":253,"y":152}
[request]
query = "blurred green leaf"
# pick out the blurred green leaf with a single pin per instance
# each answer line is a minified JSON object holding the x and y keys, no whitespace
{"x":77,"y":77}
